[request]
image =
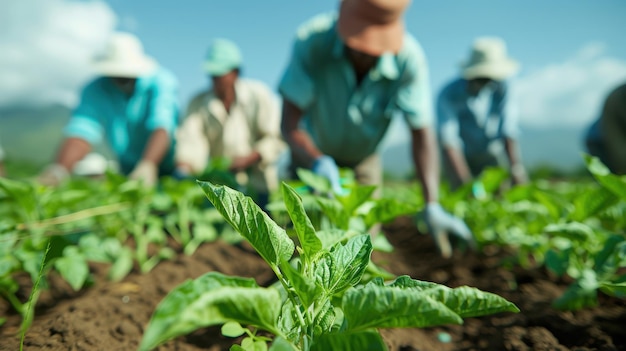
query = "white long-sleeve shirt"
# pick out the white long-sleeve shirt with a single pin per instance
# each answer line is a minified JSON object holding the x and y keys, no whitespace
{"x":252,"y":124}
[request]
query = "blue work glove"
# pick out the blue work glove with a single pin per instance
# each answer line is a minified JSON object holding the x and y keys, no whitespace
{"x":181,"y":174}
{"x":326,"y":167}
{"x":441,"y":224}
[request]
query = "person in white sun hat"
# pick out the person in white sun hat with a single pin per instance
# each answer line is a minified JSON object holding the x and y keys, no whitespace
{"x":133,"y":104}
{"x":477,"y":121}
{"x":349,"y":73}
{"x":237,"y":119}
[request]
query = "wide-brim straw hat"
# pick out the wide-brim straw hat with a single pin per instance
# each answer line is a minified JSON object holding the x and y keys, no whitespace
{"x":373,"y":27}
{"x":124,"y":57}
{"x":488,"y":59}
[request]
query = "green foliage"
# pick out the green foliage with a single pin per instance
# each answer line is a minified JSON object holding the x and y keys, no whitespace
{"x":86,"y":220}
{"x":574,"y":229}
{"x":318,"y":302}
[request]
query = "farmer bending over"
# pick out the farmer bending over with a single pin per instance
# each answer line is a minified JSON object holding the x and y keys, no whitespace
{"x":134,"y":105}
{"x":477,"y":122}
{"x":237,"y":119}
{"x":347,"y":76}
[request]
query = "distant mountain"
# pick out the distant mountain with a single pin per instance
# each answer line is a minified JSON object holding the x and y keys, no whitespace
{"x":34,"y":135}
{"x":557,"y":148}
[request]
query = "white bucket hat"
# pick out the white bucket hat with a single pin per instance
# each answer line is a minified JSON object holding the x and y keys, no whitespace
{"x":488,"y":59}
{"x":124,"y":57}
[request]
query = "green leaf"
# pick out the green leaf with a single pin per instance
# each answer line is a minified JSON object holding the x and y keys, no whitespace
{"x":344,"y":265}
{"x":73,"y":267}
{"x":318,"y":183}
{"x":280,"y":344}
{"x":232,"y":329}
{"x":325,"y":318}
{"x":380,"y":243}
{"x":614,"y":289}
{"x":595,"y":166}
{"x":465,"y":301}
{"x":91,"y":246}
{"x":311,"y":244}
{"x":573,"y":231}
{"x":306,"y":290}
{"x":591,"y":202}
{"x":358,"y":195}
{"x":557,"y":261}
{"x":554,"y":204}
{"x":615,"y":184}
{"x":367,"y":340}
{"x":209,"y":300}
{"x":335,"y":212}
{"x":608,"y":260}
{"x":122,"y":266}
{"x":386,"y":210}
{"x":581,"y":294}
{"x":470,"y":302}
{"x":415,"y":303}
{"x":376,"y":306}
{"x":270,"y":240}
{"x":330,"y":237}
{"x":249,"y":344}
{"x":492,"y":178}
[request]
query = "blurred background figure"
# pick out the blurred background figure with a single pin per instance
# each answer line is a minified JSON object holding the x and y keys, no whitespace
{"x":2,"y":170}
{"x":606,"y":137}
{"x":237,"y":119}
{"x":346,"y":77}
{"x":133,"y":104}
{"x":477,"y":122}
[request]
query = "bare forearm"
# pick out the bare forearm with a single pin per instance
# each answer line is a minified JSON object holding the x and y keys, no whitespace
{"x":244,"y":162}
{"x":426,"y":162}
{"x":72,"y":150}
{"x":458,"y":163}
{"x":303,"y":148}
{"x":512,"y":152}
{"x":157,"y":146}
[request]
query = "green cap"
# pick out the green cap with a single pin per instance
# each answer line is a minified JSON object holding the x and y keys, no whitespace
{"x":223,"y":56}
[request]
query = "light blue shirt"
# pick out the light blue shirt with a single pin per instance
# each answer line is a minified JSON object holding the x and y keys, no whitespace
{"x":347,"y":121}
{"x":127,"y":122}
{"x":476,"y":124}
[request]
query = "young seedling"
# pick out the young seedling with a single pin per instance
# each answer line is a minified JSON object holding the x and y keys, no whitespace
{"x":318,"y":302}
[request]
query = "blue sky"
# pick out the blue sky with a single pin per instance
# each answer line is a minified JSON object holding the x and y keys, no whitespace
{"x":571,"y":51}
{"x":538,"y":33}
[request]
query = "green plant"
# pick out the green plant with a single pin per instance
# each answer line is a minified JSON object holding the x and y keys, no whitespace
{"x":317,"y":302}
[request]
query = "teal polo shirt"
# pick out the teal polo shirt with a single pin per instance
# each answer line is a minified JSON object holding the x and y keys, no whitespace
{"x":347,"y":121}
{"x":127,"y":122}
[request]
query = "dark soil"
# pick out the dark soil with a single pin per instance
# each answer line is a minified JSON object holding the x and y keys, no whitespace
{"x":112,"y":316}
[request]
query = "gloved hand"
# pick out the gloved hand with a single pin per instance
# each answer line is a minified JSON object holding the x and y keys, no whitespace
{"x":53,"y":175}
{"x":518,"y":174}
{"x":326,"y":167}
{"x":478,"y":190}
{"x":181,"y":173}
{"x":441,"y":224}
{"x":146,"y":171}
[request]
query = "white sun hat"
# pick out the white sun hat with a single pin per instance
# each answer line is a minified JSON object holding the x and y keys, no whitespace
{"x":488,"y":59}
{"x":124,"y":57}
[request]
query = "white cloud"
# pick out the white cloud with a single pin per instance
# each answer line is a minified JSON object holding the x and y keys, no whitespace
{"x":568,"y":93}
{"x":46,"y":47}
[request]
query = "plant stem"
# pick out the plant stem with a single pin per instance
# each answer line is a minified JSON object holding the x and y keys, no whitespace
{"x":76,"y":216}
{"x":32,"y":298}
